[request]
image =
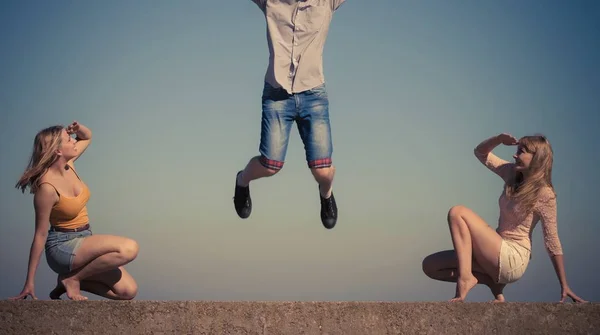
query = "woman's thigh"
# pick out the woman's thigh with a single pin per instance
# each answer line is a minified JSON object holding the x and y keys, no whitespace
{"x":95,"y":246}
{"x":446,"y":260}
{"x":485,"y":240}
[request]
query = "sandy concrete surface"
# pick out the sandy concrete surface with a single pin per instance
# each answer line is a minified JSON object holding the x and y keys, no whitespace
{"x":206,"y":317}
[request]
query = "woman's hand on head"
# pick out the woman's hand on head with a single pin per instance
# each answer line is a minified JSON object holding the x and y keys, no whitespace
{"x":73,"y":128}
{"x":507,"y":139}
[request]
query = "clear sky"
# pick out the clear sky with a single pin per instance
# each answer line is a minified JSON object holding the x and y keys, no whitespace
{"x":172,"y":90}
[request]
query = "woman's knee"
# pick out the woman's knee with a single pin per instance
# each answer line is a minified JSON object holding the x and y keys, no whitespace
{"x":456,"y":212}
{"x":129,"y":249}
{"x":128,"y":290}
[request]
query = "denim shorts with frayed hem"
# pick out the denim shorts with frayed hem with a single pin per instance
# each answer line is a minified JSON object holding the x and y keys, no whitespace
{"x":310,"y":111}
{"x":61,"y":248}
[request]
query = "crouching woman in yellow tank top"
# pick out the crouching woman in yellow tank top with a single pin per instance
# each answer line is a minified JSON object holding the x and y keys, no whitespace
{"x":83,"y":261}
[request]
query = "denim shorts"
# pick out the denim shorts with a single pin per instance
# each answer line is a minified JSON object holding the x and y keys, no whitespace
{"x":310,"y":111}
{"x":61,"y":248}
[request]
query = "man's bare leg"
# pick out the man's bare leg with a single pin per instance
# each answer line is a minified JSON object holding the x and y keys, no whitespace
{"x":241,"y":199}
{"x":324,"y":177}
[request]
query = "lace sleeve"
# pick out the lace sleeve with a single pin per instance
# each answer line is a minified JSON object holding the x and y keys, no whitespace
{"x":495,"y":164}
{"x":546,"y":210}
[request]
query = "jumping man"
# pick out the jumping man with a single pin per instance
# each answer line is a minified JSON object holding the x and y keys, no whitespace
{"x":294,"y":91}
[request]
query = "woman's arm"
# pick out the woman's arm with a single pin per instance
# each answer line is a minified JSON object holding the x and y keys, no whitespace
{"x":547,"y":212}
{"x":83,"y":135}
{"x":43,"y":200}
{"x":565,"y":291}
{"x":483,"y":152}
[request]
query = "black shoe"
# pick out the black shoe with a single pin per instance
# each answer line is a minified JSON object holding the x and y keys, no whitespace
{"x":242,"y":200}
{"x":329,"y":211}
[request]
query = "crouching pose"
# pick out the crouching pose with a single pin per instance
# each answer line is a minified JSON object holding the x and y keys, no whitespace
{"x":83,"y":261}
{"x":499,"y":257}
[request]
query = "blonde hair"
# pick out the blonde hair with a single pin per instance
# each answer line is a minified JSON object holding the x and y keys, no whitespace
{"x":526,"y":190}
{"x":45,"y":144}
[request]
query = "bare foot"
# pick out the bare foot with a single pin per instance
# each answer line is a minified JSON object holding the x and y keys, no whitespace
{"x":497,"y":290}
{"x":463,"y":286}
{"x":499,"y":299}
{"x":72,"y":287}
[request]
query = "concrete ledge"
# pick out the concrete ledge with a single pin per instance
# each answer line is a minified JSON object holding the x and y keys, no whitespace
{"x":206,"y":317}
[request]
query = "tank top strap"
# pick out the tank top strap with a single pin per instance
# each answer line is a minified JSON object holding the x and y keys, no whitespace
{"x":72,"y":167}
{"x":45,"y":182}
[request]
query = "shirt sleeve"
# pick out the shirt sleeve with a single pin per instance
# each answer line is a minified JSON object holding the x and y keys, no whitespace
{"x":496,"y":164}
{"x":335,"y":4}
{"x":547,"y":213}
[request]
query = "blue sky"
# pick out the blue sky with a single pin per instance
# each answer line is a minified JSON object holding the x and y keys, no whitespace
{"x":172,"y":94}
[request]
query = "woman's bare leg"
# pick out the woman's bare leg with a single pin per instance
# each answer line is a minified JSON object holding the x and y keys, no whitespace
{"x":96,"y":288}
{"x":443,"y":266}
{"x":114,"y":284}
{"x":473,"y":239}
{"x":97,"y":254}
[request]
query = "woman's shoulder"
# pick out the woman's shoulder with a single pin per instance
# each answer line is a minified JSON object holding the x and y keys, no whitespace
{"x":45,"y":195}
{"x":46,"y":185}
{"x":546,"y":194}
{"x":46,"y":179}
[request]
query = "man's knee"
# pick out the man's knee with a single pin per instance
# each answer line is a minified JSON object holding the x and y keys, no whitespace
{"x":320,"y":164}
{"x":270,"y":166}
{"x":323,"y":172}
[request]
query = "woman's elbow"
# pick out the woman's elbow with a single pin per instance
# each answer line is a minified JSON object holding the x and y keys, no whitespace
{"x":40,"y":236}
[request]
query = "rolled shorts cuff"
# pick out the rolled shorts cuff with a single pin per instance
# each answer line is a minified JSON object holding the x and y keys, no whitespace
{"x":320,"y":163}
{"x":270,"y":163}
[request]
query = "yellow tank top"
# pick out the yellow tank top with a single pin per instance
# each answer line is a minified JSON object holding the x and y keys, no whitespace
{"x":70,"y":212}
